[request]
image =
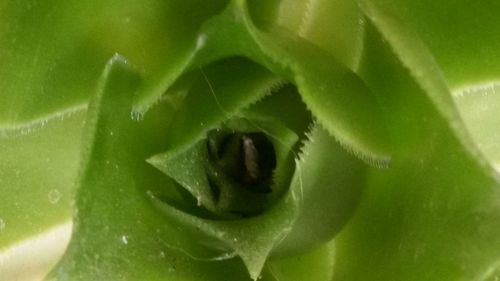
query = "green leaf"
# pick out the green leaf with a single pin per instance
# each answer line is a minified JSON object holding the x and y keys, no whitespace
{"x":106,"y":242}
{"x":334,"y":26}
{"x":37,"y":173}
{"x":434,"y":214}
{"x":463,"y":36}
{"x":219,"y":91}
{"x":334,"y":94}
{"x":315,"y":265}
{"x":252,"y":239}
{"x":330,"y":182}
{"x":479,"y":106}
{"x":53,"y":51}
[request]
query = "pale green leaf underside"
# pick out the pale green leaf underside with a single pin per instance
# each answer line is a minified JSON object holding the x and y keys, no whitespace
{"x":38,"y":168}
{"x":34,"y":257}
{"x":479,"y":106}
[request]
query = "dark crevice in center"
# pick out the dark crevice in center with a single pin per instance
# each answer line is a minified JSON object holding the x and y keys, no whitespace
{"x":247,"y":158}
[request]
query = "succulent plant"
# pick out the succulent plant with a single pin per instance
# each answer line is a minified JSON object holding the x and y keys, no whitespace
{"x":275,"y":140}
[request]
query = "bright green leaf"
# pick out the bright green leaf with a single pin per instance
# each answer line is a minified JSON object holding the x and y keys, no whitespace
{"x":334,"y":94}
{"x":434,"y":214}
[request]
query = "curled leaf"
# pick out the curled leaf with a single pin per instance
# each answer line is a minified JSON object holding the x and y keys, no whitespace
{"x":334,"y":94}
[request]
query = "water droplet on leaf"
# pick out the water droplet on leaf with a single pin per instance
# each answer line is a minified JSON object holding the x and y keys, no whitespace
{"x":54,"y":196}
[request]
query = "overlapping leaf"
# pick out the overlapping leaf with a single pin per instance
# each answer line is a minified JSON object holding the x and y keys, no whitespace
{"x":463,"y":36}
{"x":333,"y":93}
{"x":434,"y":215}
{"x":479,"y":106}
{"x":118,"y":232}
{"x":53,"y":51}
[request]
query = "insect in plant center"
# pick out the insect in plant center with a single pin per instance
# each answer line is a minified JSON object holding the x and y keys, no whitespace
{"x":251,"y":160}
{"x":247,"y":158}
